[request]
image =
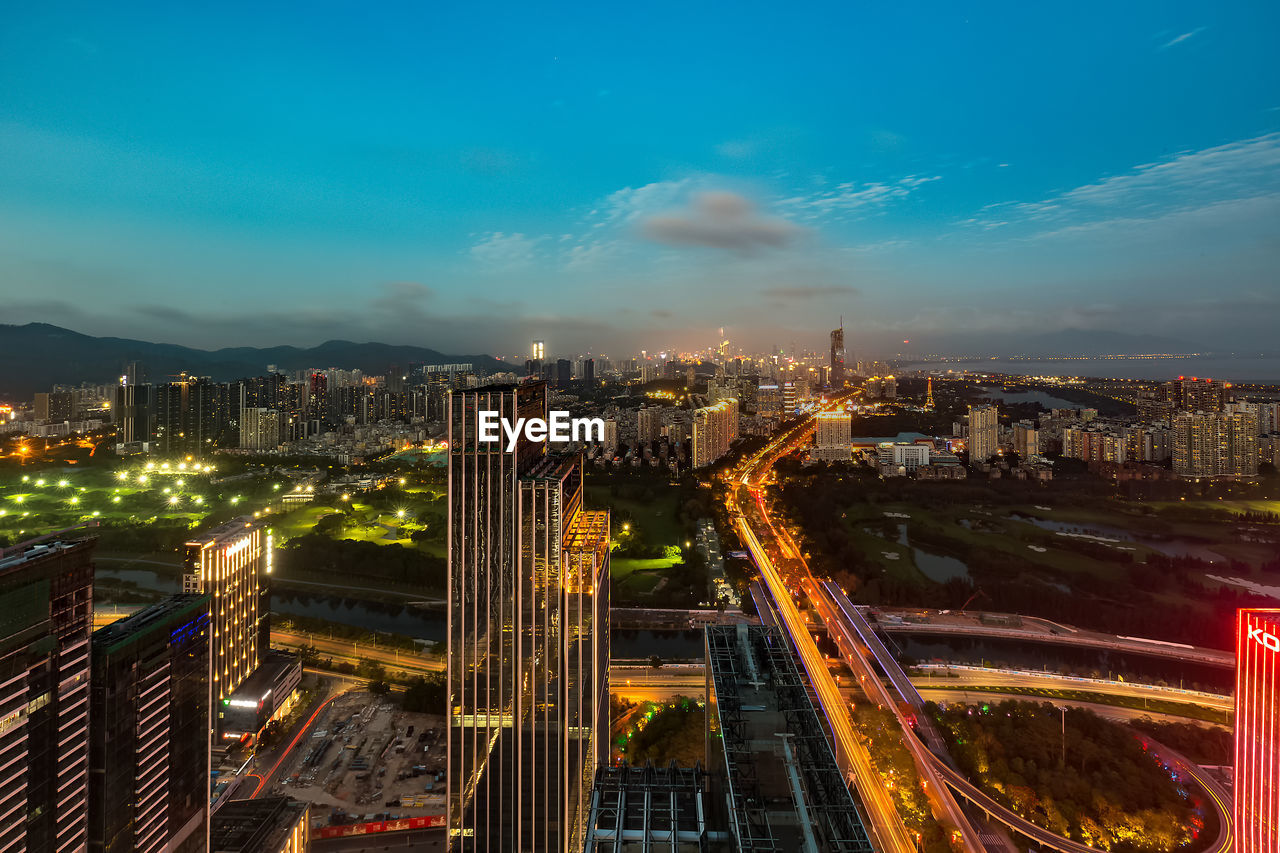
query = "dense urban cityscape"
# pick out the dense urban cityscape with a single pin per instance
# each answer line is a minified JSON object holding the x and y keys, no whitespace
{"x":290,"y":611}
{"x":652,"y":428}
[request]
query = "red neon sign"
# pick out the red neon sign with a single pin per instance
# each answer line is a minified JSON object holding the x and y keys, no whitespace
{"x":1257,"y":767}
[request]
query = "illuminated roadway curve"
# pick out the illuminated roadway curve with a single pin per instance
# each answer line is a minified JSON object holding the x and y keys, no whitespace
{"x":886,"y":823}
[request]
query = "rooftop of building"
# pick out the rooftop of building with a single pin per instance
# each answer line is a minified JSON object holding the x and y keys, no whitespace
{"x":147,"y":620}
{"x":648,"y":808}
{"x":13,"y":558}
{"x":254,"y":826}
{"x":263,"y":680}
{"x":782,"y":778}
{"x":226,"y":532}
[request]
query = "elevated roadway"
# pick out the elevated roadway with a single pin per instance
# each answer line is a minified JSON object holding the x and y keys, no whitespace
{"x":774,"y":555}
{"x":786,"y":578}
{"x":971,"y":624}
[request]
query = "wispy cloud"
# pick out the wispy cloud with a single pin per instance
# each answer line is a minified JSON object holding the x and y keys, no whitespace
{"x":845,"y":200}
{"x":810,"y":291}
{"x":498,"y":251}
{"x":1191,"y":181}
{"x":1176,"y":40}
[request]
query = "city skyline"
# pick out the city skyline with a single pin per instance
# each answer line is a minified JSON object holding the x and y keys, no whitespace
{"x":600,"y":179}
{"x":579,"y":428}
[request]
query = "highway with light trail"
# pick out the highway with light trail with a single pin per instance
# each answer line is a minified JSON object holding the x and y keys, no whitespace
{"x":749,"y":513}
{"x":886,"y":824}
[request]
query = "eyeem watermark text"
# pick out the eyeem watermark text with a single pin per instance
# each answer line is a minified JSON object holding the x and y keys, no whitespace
{"x":559,"y":428}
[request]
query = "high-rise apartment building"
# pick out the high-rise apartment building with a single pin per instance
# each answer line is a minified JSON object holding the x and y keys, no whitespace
{"x":589,"y":371}
{"x":1215,"y":444}
{"x":769,"y":401}
{"x":47,"y":612}
{"x":648,"y":424}
{"x":834,"y":437}
{"x":229,"y":564}
{"x":1026,"y":440}
{"x":983,"y":441}
{"x":1257,"y":731}
{"x":259,"y":429}
{"x":191,"y":414}
{"x":149,"y":746}
{"x":131,"y":411}
{"x":714,"y":429}
{"x":528,"y":634}
{"x":1196,"y":395}
{"x":58,"y":406}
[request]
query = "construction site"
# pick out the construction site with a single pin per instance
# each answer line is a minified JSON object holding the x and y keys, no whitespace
{"x":366,"y":757}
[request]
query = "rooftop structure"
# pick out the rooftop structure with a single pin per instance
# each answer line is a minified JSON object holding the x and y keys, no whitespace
{"x":649,"y":809}
{"x":269,"y":825}
{"x":782,"y":785}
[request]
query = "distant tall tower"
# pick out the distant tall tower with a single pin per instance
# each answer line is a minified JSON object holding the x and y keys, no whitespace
{"x":528,"y":654}
{"x":837,"y":356}
{"x":539,"y":351}
{"x":928,"y":397}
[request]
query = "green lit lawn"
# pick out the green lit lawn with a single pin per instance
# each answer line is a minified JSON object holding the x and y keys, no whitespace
{"x":41,"y":500}
{"x":639,"y":577}
{"x":656,"y":519}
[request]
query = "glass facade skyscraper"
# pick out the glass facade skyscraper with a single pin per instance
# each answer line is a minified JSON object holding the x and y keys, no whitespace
{"x":149,"y":755}
{"x":46,"y":606}
{"x":528,"y":634}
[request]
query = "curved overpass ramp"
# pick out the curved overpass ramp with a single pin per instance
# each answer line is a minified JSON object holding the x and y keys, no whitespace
{"x":1041,"y":631}
{"x":1217,"y":798}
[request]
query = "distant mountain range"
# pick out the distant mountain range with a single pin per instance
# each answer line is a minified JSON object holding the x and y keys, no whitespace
{"x":35,"y":356}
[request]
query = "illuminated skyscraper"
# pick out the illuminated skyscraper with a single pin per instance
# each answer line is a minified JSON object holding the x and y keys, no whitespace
{"x":46,"y":605}
{"x":1257,"y":727}
{"x":259,"y":429}
{"x":714,"y":429}
{"x":837,"y":356}
{"x":228,"y":563}
{"x":1215,"y":444}
{"x":983,"y":433}
{"x":149,"y":756}
{"x":528,"y":635}
{"x":834,"y":437}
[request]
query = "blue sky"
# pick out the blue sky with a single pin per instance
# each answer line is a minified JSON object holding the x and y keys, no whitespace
{"x":469,"y":177}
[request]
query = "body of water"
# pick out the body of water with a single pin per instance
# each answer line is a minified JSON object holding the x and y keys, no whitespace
{"x":1048,"y":401}
{"x":1230,"y":369}
{"x":938,"y":568}
{"x":1171,"y":546}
